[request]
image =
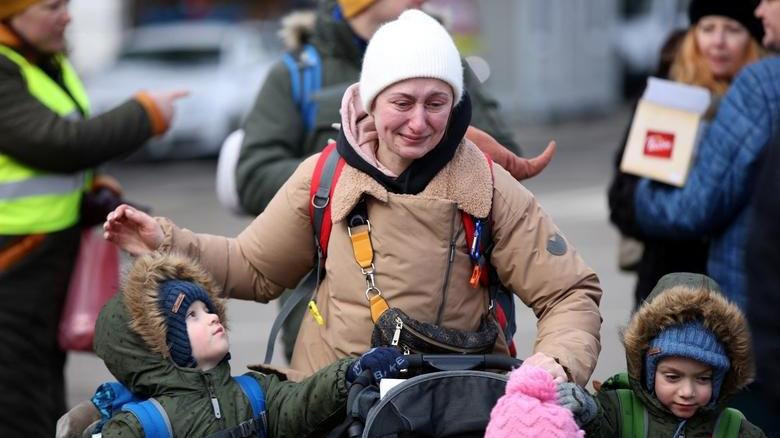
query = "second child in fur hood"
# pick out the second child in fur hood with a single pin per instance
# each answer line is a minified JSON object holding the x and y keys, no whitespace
{"x":164,"y":336}
{"x":688,"y":351}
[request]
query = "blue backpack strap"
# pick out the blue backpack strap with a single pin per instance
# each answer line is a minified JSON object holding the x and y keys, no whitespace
{"x":295,"y":77}
{"x":305,"y":79}
{"x":312,"y":82}
{"x":152,"y":417}
{"x":254,"y":393}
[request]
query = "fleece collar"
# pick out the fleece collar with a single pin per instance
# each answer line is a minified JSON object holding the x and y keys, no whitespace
{"x":467,"y":180}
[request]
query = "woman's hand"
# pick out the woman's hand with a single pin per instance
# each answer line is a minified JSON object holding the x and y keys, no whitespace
{"x":132,"y":230}
{"x":548,"y":364}
{"x":518,"y":167}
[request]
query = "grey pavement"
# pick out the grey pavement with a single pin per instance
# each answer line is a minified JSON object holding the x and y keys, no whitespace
{"x":572,"y":189}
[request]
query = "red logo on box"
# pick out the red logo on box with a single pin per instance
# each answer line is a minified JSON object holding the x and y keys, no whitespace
{"x":659,"y":144}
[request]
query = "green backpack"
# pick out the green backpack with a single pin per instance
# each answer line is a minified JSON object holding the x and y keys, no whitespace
{"x":633,"y":419}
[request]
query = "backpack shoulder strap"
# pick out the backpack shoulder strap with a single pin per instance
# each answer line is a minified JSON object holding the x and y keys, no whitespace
{"x":152,"y":416}
{"x":484,"y":273}
{"x":632,"y":414}
{"x":254,"y":393}
{"x":323,"y":181}
{"x":728,"y":424}
{"x":305,"y":69}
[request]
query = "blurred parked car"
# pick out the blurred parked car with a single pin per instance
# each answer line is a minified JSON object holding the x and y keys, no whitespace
{"x":221,"y":64}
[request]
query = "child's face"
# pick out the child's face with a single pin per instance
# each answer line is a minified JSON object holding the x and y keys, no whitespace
{"x":683,"y":385}
{"x":208,"y":339}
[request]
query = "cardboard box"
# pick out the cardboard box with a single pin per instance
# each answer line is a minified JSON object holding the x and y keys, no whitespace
{"x":665,"y":130}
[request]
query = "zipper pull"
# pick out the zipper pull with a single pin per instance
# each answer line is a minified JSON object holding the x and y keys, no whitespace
{"x":397,"y":334}
{"x":215,"y":406}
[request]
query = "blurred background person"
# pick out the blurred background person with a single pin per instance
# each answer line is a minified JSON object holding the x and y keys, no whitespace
{"x":723,"y":37}
{"x":277,"y":138}
{"x":48,"y":144}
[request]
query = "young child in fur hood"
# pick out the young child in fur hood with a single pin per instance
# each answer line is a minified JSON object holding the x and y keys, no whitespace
{"x":164,"y":336}
{"x":688,"y":349}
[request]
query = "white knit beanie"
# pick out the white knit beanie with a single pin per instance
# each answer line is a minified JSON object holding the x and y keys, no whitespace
{"x":413,"y":46}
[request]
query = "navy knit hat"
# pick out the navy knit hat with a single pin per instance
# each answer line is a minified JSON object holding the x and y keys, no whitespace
{"x":739,"y":10}
{"x":689,"y":340}
{"x":175,"y":297}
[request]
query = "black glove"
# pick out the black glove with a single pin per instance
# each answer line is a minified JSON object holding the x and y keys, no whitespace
{"x":576,"y":399}
{"x":382,"y":362}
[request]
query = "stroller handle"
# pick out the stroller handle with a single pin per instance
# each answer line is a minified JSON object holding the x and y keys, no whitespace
{"x":459,"y":362}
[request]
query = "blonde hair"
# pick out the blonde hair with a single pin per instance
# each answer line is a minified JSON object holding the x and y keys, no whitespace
{"x":690,"y":67}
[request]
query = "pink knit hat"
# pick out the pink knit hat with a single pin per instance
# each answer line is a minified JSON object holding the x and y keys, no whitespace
{"x":530,"y":409}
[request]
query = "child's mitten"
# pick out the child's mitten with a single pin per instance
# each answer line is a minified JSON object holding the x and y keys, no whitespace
{"x":576,"y":399}
{"x":382,"y":362}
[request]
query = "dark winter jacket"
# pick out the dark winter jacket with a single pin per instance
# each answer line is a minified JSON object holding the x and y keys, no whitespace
{"x":716,"y":198}
{"x":276,"y":142}
{"x":36,"y":136}
{"x":763,"y":274}
{"x":130,"y":338}
{"x":680,"y":298}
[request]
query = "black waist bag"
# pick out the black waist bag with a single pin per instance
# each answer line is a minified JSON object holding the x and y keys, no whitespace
{"x":396,"y":328}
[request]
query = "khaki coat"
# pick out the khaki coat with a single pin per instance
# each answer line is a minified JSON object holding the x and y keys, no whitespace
{"x":411,"y":237}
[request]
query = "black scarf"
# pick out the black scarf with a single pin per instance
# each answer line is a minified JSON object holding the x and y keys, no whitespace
{"x":416,"y":177}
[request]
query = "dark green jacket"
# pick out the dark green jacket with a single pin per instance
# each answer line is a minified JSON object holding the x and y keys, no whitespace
{"x":36,"y":136}
{"x":680,"y":298}
{"x":127,"y":329}
{"x":275,"y":142}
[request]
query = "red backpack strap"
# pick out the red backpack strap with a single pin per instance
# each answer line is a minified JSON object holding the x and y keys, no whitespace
{"x":323,"y":181}
{"x":479,"y":251}
{"x":501,"y":298}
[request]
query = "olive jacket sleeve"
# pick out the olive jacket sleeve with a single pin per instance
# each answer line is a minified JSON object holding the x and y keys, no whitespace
{"x":38,"y":137}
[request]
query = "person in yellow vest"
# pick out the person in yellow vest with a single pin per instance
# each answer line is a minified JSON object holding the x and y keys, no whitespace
{"x":48,"y":144}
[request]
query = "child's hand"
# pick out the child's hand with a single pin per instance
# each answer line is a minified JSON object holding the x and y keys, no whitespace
{"x":382,"y":362}
{"x":576,"y":399}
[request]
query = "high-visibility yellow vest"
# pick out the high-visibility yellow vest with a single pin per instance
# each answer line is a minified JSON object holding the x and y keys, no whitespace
{"x":32,"y":200}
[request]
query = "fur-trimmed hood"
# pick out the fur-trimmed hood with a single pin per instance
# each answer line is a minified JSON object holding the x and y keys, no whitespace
{"x":130,"y":330}
{"x":680,"y":298}
{"x":140,"y":295}
{"x":297,"y":29}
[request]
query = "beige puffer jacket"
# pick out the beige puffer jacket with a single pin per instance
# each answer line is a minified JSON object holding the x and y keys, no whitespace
{"x":411,"y":237}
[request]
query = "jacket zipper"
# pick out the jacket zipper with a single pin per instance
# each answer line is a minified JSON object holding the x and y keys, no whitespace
{"x":400,"y":325}
{"x":450,"y":259}
{"x":213,"y":396}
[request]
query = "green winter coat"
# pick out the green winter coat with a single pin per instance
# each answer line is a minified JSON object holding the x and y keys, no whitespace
{"x":684,"y":299}
{"x":36,"y":136}
{"x":275,"y":142}
{"x":139,"y":358}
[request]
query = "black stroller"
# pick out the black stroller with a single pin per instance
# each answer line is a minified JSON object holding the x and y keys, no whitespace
{"x":449,"y":396}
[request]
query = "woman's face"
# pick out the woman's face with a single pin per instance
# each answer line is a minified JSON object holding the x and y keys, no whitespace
{"x":723,"y":42}
{"x":411,"y":117}
{"x":43,"y":25}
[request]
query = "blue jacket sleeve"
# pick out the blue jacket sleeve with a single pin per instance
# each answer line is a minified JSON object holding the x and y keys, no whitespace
{"x":722,"y":176}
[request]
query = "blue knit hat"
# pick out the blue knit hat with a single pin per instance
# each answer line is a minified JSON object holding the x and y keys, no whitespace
{"x":689,"y":340}
{"x":175,"y":297}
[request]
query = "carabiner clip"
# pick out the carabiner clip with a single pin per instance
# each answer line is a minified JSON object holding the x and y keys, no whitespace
{"x":475,"y":247}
